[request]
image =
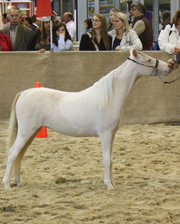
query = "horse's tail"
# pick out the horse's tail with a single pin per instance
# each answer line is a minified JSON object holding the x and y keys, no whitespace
{"x":12,"y":130}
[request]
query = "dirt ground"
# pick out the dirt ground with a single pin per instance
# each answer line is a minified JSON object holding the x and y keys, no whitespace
{"x":62,"y":179}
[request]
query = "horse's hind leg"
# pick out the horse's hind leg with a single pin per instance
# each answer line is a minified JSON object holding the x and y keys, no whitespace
{"x":18,"y":160}
{"x":20,"y":144}
{"x":12,"y":155}
{"x":107,"y":145}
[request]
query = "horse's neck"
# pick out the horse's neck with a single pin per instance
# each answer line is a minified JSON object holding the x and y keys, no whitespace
{"x":124,"y":78}
{"x":126,"y":70}
{"x":125,"y":75}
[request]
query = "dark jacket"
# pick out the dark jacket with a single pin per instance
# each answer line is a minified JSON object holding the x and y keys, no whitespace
{"x":146,"y":36}
{"x":33,"y":27}
{"x":34,"y":38}
{"x":86,"y":44}
{"x":178,"y":58}
{"x":22,"y":36}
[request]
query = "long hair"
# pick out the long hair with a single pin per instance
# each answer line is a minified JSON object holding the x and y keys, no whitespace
{"x":43,"y":31}
{"x":176,"y":17}
{"x":55,"y":28}
{"x":124,"y":19}
{"x":104,"y":32}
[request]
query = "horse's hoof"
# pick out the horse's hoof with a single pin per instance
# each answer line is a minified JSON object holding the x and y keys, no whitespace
{"x":7,"y":186}
{"x":14,"y":184}
{"x":110,"y":185}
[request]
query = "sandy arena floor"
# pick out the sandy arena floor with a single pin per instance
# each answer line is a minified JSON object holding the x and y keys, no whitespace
{"x":62,"y":179}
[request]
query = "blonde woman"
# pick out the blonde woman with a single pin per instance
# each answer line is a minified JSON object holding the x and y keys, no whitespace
{"x":97,"y":39}
{"x":123,"y":37}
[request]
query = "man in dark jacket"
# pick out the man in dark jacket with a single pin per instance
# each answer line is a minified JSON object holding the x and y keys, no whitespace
{"x":18,"y":33}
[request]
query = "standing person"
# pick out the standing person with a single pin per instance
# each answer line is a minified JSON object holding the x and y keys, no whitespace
{"x":123,"y":37}
{"x":18,"y":33}
{"x":70,"y":24}
{"x":169,"y":40}
{"x":87,"y":25}
{"x":35,"y":23}
{"x":112,"y":12}
{"x":166,"y":20}
{"x":97,"y":39}
{"x":43,"y":41}
{"x":40,"y":38}
{"x":141,"y":24}
{"x":5,"y":20}
{"x":61,"y":38}
{"x":27,"y":22}
{"x":5,"y":42}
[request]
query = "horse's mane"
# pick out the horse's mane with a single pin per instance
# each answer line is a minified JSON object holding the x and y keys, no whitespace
{"x":100,"y":93}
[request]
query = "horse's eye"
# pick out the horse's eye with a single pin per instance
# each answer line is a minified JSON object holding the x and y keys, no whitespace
{"x":149,"y":60}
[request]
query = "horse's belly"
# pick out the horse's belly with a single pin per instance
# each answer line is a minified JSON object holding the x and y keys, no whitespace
{"x":72,"y":121}
{"x":72,"y":127}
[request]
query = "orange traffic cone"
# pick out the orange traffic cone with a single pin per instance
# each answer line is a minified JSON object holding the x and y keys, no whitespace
{"x":37,"y":84}
{"x":43,"y":132}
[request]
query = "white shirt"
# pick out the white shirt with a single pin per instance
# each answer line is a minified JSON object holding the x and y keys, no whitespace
{"x":168,"y":42}
{"x":71,"y":27}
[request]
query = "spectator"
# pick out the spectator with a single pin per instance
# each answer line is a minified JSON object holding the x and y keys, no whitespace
{"x":35,"y":23}
{"x":166,"y":19}
{"x":112,"y":12}
{"x":5,"y":42}
{"x":40,"y":38}
{"x":27,"y":22}
{"x":169,"y":37}
{"x":87,"y":25}
{"x":43,"y":43}
{"x":123,"y":37}
{"x":17,"y":32}
{"x":70,"y":24}
{"x":97,"y":39}
{"x":5,"y":20}
{"x":141,"y":24}
{"x":55,"y":20}
{"x":61,"y":38}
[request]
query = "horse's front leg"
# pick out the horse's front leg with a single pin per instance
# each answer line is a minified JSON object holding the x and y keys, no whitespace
{"x":107,"y":146}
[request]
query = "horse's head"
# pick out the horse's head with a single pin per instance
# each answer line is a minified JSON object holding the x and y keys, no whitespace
{"x":148,"y":65}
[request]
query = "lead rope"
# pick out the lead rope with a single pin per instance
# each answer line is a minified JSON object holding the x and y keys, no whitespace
{"x":165,"y":82}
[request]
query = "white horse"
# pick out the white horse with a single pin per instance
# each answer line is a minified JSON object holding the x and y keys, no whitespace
{"x":95,"y":111}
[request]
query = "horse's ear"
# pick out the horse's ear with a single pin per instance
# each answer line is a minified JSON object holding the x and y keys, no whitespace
{"x":134,"y":52}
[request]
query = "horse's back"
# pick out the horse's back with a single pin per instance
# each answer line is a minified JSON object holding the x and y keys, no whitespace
{"x":37,"y":101}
